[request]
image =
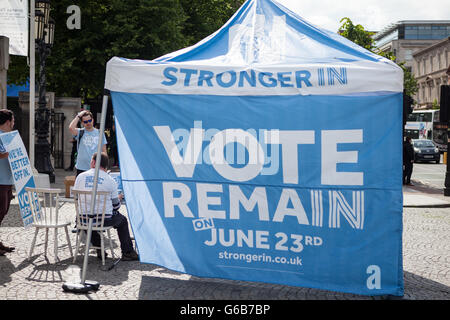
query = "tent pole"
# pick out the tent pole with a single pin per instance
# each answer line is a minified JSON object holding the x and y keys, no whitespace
{"x":94,"y":189}
{"x":86,"y":285}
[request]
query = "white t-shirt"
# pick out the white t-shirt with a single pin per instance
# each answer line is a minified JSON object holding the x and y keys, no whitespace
{"x":85,"y":182}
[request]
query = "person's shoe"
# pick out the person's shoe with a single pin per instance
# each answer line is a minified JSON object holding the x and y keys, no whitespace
{"x":409,"y":184}
{"x":99,"y":254}
{"x":2,"y":252}
{"x":75,"y":230}
{"x":5,"y":248}
{"x":130,"y":256}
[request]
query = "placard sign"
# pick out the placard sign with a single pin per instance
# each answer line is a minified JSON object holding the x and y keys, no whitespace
{"x":22,"y":172}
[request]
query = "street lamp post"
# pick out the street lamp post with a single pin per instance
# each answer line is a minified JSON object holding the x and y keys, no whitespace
{"x":45,"y":30}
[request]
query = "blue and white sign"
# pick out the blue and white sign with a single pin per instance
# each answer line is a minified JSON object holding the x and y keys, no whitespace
{"x":19,"y":163}
{"x":259,"y":154}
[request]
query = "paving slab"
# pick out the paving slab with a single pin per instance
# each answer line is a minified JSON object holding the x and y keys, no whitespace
{"x":426,"y":264}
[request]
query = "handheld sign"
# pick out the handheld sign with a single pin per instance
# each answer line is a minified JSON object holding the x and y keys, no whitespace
{"x":19,"y":163}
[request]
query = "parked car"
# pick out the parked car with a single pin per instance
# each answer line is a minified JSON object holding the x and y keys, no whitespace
{"x":425,"y":150}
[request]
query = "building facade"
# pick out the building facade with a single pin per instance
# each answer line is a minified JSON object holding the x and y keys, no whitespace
{"x":422,"y":45}
{"x":431,"y":67}
{"x":404,"y":38}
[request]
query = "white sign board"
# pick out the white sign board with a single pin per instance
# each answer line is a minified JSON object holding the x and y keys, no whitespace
{"x":14,"y":25}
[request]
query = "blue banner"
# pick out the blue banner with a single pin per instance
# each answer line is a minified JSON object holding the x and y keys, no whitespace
{"x":296,"y":190}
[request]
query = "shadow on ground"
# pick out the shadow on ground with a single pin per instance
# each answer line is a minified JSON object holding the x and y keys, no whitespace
{"x":13,"y":217}
{"x":161,"y":288}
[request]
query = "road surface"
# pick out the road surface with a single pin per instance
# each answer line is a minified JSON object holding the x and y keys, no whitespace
{"x":430,"y":173}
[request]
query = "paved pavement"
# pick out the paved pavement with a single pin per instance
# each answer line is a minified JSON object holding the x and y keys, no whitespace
{"x":426,"y":260}
{"x":424,"y":195}
{"x":430,"y":173}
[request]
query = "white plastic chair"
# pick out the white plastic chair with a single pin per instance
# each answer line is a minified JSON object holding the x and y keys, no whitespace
{"x":82,"y":207}
{"x":44,"y":205}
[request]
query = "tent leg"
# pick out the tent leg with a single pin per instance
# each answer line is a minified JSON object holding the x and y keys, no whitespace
{"x":86,"y":285}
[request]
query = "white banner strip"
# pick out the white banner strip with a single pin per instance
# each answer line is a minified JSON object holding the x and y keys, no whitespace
{"x":134,"y":76}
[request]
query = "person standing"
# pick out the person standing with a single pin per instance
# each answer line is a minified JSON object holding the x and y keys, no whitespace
{"x":112,"y":143}
{"x":72,"y":154}
{"x":87,"y":138}
{"x":6,"y":179}
{"x":408,"y":161}
{"x":113,"y":217}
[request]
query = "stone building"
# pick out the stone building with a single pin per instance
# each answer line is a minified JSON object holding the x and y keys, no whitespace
{"x":431,"y":67}
{"x":404,"y":38}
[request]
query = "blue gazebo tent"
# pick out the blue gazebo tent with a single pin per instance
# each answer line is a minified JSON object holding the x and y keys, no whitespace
{"x":269,"y":151}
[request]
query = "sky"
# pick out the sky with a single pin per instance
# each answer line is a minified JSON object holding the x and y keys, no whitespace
{"x":373,"y":15}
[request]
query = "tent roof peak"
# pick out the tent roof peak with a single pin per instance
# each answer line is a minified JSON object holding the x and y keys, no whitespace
{"x":264,"y":31}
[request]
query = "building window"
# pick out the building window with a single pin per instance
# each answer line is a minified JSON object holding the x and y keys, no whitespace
{"x":411,"y":32}
{"x":408,"y":55}
{"x":387,"y":38}
{"x":430,"y":32}
{"x":438,"y":32}
{"x":424,"y":32}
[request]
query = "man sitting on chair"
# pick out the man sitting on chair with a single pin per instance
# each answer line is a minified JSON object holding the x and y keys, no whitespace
{"x":84,"y":182}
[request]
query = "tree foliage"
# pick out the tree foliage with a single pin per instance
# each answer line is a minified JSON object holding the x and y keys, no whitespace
{"x":363,"y":38}
{"x":357,"y":34}
{"x":135,"y":29}
{"x":142,"y":29}
{"x":207,"y":16}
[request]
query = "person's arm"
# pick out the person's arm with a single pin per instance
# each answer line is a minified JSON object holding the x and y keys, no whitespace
{"x":115,"y":204}
{"x":104,"y":144}
{"x":77,"y":183}
{"x":114,"y":194}
{"x":73,"y":124}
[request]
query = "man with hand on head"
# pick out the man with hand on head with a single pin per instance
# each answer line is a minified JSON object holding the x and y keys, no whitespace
{"x":87,"y":138}
{"x":113,"y":218}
